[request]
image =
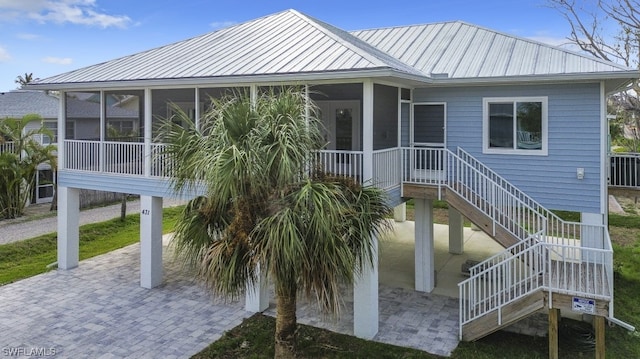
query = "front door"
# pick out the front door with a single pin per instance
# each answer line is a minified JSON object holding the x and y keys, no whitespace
{"x":428,"y":137}
{"x":341,"y":120}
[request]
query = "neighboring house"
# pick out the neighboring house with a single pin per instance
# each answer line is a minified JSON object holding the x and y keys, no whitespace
{"x":19,"y":103}
{"x":82,"y":123}
{"x":503,"y":128}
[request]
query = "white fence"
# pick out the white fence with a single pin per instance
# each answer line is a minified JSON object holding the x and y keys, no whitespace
{"x":387,"y":168}
{"x":340,"y":163}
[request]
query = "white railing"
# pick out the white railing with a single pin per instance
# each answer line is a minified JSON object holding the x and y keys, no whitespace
{"x":387,"y":168}
{"x":565,"y":231}
{"x":82,"y":155}
{"x":443,"y":168}
{"x":123,"y":157}
{"x":161,"y":165}
{"x":7,"y":147}
{"x":557,"y":268}
{"x":624,"y":170}
{"x":340,"y":163}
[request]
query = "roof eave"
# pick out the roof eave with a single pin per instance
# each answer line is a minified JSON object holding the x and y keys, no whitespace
{"x":234,"y":80}
{"x":572,"y":77}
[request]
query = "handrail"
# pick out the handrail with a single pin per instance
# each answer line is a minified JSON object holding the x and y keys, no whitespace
{"x":556,"y":226}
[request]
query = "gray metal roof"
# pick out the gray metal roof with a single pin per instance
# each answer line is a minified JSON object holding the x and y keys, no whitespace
{"x":290,"y":44}
{"x":17,"y":104}
{"x":462,"y":50}
{"x":284,"y":43}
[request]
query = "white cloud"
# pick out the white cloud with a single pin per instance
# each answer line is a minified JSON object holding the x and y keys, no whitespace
{"x":79,"y":12}
{"x":25,"y":36}
{"x":58,"y":60}
{"x":4,"y":55}
{"x":220,"y":24}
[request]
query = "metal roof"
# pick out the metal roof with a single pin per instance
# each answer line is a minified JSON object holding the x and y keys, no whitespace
{"x":19,"y":103}
{"x":283,"y":43}
{"x":289,"y":45}
{"x":462,"y":50}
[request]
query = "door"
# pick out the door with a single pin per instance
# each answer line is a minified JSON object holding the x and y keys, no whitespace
{"x":342,"y":132}
{"x":428,"y":139}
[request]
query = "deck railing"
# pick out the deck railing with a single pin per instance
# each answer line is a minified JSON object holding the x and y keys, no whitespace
{"x":7,"y":147}
{"x":387,"y":168}
{"x":624,"y":170}
{"x":340,"y":163}
{"x":82,"y":155}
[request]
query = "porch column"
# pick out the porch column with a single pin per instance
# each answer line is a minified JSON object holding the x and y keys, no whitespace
{"x":257,"y":295}
{"x":365,"y":291}
{"x":150,"y":241}
{"x":456,"y":232}
{"x":148,"y":132}
{"x":68,"y":227}
{"x":365,"y":299}
{"x":554,"y":316}
{"x":424,"y":246}
{"x":400,"y":212}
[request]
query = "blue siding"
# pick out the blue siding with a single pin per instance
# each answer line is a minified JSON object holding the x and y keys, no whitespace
{"x":393,"y":197}
{"x":574,"y":141}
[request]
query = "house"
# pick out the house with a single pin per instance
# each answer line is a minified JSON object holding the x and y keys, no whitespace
{"x":19,"y":103}
{"x":504,"y":129}
{"x":82,"y":123}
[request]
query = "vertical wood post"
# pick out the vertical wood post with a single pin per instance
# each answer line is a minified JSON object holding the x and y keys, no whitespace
{"x":554,"y":315}
{"x":598,"y":322}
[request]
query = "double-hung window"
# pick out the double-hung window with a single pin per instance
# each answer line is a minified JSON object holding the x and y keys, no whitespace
{"x":515,"y":125}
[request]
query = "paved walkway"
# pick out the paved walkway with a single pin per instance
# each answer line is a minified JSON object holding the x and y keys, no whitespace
{"x":99,"y":310}
{"x":24,"y":228}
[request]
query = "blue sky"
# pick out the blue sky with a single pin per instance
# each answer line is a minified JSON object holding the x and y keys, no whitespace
{"x":48,"y":37}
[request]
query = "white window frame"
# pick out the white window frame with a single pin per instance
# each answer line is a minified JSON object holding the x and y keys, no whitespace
{"x":69,"y":125}
{"x":544,"y":151}
{"x":412,"y":141}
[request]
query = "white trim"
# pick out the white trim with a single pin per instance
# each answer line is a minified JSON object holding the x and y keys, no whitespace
{"x":545,"y":126}
{"x":604,"y":155}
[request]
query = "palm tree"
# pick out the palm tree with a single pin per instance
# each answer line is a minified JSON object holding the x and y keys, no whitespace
{"x":266,"y":209}
{"x":19,"y":161}
{"x":24,"y":80}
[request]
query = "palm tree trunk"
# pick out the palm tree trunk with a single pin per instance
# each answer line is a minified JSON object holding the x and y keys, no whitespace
{"x":286,"y":325}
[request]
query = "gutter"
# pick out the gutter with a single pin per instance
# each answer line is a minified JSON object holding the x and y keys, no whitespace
{"x":620,"y":323}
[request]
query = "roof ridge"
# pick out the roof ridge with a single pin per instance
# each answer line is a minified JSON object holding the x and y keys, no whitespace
{"x":357,"y":45}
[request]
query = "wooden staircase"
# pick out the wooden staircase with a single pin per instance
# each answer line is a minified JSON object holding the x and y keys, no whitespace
{"x":544,"y":256}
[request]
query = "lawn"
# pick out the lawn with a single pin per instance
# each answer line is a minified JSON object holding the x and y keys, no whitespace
{"x":33,"y":256}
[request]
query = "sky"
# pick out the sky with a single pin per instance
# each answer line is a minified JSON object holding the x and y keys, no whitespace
{"x":50,"y":37}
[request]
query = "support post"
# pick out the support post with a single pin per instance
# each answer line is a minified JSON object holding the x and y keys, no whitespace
{"x":365,"y":291}
{"x":68,"y":227}
{"x":456,"y":232}
{"x":598,"y":322}
{"x":257,"y":295}
{"x":424,"y":246}
{"x":400,"y":212}
{"x":554,"y":315}
{"x":365,"y":299}
{"x":150,"y":241}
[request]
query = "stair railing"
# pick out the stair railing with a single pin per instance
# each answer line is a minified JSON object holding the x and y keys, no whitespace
{"x":502,"y":283}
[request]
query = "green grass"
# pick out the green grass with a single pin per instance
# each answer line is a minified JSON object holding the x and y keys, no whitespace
{"x":27,"y":258}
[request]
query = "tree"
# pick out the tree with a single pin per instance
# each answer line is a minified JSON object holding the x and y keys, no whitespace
{"x":590,"y":21}
{"x":267,"y":210}
{"x":20,"y":157}
{"x":24,"y":80}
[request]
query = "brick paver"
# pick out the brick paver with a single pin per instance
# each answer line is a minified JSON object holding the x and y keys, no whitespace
{"x":99,"y":310}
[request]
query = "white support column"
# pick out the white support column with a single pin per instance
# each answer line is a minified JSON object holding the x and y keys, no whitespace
{"x":103,"y":130}
{"x":424,"y":246}
{"x":365,"y":299}
{"x":197,"y":108}
{"x":148,"y":131}
{"x":257,"y":295}
{"x":62,"y":129}
{"x":150,"y":241}
{"x":456,"y":232}
{"x":68,"y":227}
{"x":400,"y":212}
{"x":365,"y":291}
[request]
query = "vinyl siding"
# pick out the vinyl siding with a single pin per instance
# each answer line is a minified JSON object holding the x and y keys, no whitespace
{"x":574,"y":141}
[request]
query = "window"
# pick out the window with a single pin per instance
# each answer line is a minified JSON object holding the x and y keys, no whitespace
{"x":515,"y":125}
{"x":121,"y":128}
{"x":52,"y":126}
